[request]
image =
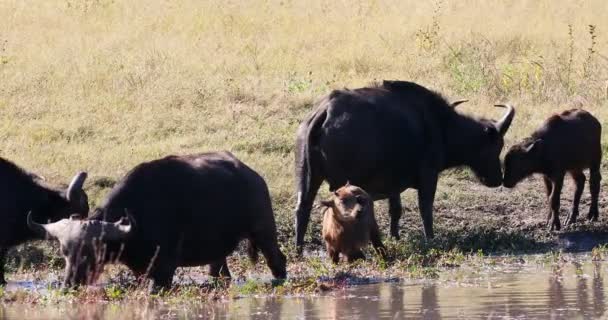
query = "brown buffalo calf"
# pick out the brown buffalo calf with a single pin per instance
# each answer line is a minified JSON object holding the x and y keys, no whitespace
{"x":349,"y":224}
{"x":568,"y":142}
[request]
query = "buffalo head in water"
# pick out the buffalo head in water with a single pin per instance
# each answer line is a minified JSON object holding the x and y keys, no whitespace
{"x":83,"y":244}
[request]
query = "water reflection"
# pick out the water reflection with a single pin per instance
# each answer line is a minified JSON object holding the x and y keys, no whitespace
{"x":598,"y":291}
{"x":572,"y":290}
{"x":555,"y":291}
{"x":430,"y":303}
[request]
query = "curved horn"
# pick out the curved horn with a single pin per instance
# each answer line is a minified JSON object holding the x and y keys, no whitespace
{"x":34,"y":226}
{"x":55,"y":229}
{"x":119,"y":230}
{"x":37,"y":177}
{"x":457,"y":102}
{"x":503,"y":124}
{"x":76,"y":185}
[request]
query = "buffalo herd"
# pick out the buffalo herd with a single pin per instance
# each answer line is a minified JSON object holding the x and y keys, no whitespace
{"x":368,"y":144}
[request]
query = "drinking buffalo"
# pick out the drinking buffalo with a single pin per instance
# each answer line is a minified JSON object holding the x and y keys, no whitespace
{"x":388,"y":138}
{"x":182,"y":211}
{"x":21,"y":192}
{"x":566,"y":143}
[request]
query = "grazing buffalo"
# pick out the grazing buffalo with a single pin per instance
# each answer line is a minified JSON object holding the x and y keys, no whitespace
{"x":22,"y":192}
{"x":388,"y":138}
{"x":566,"y":143}
{"x":181,"y":211}
{"x":349,"y":224}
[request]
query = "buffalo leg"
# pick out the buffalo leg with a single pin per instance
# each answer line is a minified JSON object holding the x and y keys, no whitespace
{"x":377,"y":241}
{"x":265,"y":240}
{"x":162,"y":279}
{"x":579,"y":179}
{"x":355,"y":255}
{"x":548,"y":190}
{"x":395,"y":210}
{"x":558,"y":182}
{"x":306,"y":197}
{"x":333,"y":254}
{"x":162,"y":272}
{"x":219,"y":269}
{"x":426,"y":197}
{"x":2,"y":261}
{"x":548,"y":186}
{"x":594,"y":187}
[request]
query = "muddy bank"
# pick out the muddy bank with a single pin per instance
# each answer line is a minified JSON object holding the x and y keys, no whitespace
{"x":471,"y":217}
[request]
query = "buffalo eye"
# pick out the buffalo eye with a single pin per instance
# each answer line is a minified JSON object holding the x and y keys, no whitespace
{"x":491,"y":132}
{"x":360,"y":200}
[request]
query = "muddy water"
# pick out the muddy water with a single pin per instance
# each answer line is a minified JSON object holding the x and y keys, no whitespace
{"x":572,"y":291}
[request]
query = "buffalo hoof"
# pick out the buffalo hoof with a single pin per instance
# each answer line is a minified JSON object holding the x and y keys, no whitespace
{"x":571,"y":220}
{"x":154,"y":288}
{"x":277,"y":282}
{"x":553,"y":227}
{"x":592,"y":217}
{"x":300,"y":251}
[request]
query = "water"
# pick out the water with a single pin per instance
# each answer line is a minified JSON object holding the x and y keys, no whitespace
{"x":573,"y":291}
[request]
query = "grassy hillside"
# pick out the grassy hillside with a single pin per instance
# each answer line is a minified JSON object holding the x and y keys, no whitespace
{"x":103,"y":85}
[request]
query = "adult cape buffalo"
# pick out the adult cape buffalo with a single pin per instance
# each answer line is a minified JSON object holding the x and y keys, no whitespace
{"x":389,"y":138}
{"x":22,"y":192}
{"x":182,"y":211}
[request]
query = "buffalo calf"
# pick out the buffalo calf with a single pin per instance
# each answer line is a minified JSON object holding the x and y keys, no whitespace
{"x":566,"y":143}
{"x":349,"y":224}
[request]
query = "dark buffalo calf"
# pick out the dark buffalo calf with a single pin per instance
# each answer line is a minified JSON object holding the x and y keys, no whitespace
{"x":182,"y":211}
{"x":349,"y":224}
{"x":566,"y":143}
{"x":22,"y":192}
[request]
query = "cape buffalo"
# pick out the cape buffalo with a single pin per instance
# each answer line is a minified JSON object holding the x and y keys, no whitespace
{"x":349,"y":224}
{"x":22,"y":192}
{"x":182,"y":211}
{"x":566,"y":143}
{"x":388,"y":138}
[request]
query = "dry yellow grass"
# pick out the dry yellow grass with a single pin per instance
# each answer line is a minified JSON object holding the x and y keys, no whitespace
{"x":103,"y":85}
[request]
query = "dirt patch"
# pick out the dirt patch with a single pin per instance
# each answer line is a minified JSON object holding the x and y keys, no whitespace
{"x":471,"y":217}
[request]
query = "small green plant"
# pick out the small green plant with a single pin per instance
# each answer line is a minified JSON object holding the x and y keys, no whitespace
{"x":318,"y":266}
{"x":297,"y":84}
{"x":114,"y":292}
{"x":249,"y":287}
{"x":591,"y":52}
{"x":428,"y":38}
{"x":570,"y":57}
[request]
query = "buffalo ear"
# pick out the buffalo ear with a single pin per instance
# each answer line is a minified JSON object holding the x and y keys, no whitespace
{"x":534,"y":146}
{"x":327,"y":203}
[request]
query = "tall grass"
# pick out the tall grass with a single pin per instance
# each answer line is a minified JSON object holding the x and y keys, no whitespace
{"x":102,"y":85}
